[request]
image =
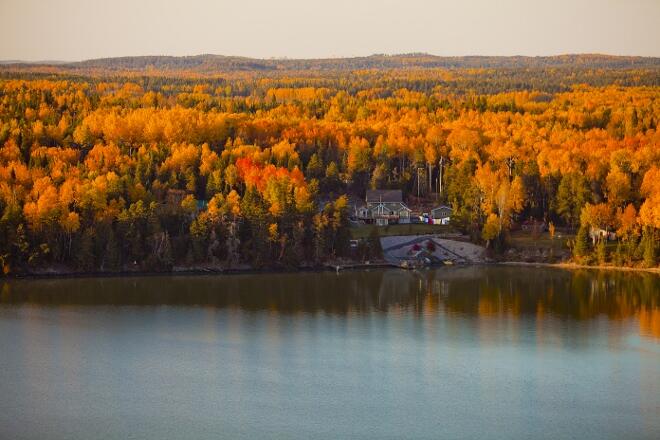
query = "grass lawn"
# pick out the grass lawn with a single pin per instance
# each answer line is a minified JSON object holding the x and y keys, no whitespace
{"x":410,"y":229}
{"x":526,"y":240}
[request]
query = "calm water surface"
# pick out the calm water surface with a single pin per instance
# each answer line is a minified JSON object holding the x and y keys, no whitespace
{"x":475,"y":352}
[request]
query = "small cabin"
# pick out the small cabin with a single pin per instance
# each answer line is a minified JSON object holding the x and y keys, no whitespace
{"x":533,"y":225}
{"x":598,"y":234}
{"x":441,"y":215}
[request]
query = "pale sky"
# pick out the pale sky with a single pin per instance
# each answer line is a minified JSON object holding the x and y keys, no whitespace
{"x":82,"y":29}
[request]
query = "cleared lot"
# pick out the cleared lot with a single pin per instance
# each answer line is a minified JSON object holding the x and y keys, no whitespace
{"x":411,"y":229}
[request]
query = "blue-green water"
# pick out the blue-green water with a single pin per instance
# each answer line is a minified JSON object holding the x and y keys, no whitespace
{"x":475,"y":352}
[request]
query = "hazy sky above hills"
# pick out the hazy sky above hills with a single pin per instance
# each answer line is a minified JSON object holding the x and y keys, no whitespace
{"x":83,"y":29}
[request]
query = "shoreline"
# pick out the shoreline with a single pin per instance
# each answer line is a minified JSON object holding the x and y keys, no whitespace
{"x":574,"y":266}
{"x":200,"y":271}
{"x":209,"y":271}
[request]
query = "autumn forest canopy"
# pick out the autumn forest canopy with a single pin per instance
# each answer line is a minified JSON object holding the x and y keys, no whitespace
{"x":150,"y":162}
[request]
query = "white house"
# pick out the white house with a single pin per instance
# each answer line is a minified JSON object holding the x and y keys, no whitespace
{"x":441,"y":215}
{"x":597,"y":234}
{"x":384,"y":207}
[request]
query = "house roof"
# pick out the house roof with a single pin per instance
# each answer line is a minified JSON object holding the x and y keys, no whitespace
{"x":355,"y":202}
{"x":385,"y":195}
{"x":442,"y":211}
{"x":442,"y":207}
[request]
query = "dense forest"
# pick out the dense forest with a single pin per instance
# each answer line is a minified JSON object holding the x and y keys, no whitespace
{"x":149,"y":162}
{"x":218,"y":63}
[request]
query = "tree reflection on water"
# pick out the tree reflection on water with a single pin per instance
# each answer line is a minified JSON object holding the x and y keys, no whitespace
{"x":473,"y":291}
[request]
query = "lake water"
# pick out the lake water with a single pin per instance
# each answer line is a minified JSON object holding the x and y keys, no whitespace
{"x":465,"y":352}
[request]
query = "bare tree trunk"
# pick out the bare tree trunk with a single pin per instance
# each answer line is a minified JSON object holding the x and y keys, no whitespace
{"x":442,"y":159}
{"x":430,"y":179}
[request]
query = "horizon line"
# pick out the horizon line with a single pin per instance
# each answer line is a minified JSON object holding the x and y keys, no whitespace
{"x":331,"y":57}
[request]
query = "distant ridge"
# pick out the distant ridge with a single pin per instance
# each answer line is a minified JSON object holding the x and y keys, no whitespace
{"x":33,"y":63}
{"x":219,"y":63}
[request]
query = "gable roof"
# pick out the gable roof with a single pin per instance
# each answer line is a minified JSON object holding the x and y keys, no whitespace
{"x":441,"y":212}
{"x":384,"y":195}
{"x":354,"y":201}
{"x":442,"y":207}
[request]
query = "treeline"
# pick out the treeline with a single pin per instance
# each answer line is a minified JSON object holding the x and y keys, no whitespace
{"x":152,"y":172}
{"x":454,"y":81}
{"x":220,"y":63}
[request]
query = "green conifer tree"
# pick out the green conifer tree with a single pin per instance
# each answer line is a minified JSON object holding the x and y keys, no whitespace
{"x":601,"y":251}
{"x":649,"y":250}
{"x":112,"y":258}
{"x":84,"y":256}
{"x":581,"y":247}
{"x":618,"y":255}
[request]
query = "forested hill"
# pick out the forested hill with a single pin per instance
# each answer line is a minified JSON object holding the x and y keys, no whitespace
{"x":218,"y":63}
{"x":105,"y":168}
